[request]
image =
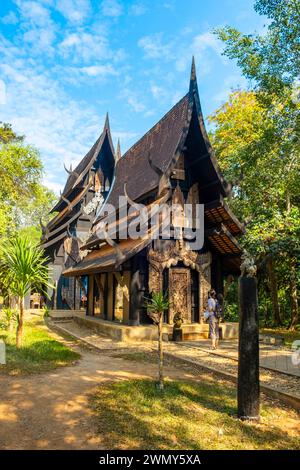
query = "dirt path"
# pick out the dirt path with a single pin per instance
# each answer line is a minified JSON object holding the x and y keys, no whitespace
{"x":50,"y":411}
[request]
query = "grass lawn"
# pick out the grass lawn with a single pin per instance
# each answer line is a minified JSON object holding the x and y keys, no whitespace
{"x":40,"y":351}
{"x":187,"y":415}
{"x":287,"y":335}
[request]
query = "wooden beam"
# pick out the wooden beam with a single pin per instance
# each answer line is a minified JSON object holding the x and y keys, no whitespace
{"x":208,"y":185}
{"x":197,"y":160}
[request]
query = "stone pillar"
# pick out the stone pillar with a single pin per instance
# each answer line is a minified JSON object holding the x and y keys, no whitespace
{"x":248,"y":369}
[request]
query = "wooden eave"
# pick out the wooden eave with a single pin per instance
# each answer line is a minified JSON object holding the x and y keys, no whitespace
{"x":223,"y":241}
{"x":217,"y":212}
{"x":105,"y":258}
{"x":119,"y":225}
{"x":54,"y":240}
{"x":59,"y":217}
{"x":49,"y":235}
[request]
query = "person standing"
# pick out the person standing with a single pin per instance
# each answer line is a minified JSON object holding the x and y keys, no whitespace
{"x":213,"y":319}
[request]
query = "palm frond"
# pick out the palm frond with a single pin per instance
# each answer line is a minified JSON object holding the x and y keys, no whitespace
{"x":23,"y":267}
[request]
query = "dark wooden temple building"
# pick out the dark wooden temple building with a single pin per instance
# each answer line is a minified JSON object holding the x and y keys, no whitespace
{"x":172,"y":163}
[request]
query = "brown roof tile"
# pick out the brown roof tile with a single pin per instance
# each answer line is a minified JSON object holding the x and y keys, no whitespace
{"x":161,"y":141}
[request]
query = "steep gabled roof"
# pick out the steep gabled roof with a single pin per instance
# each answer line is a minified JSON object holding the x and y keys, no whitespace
{"x":161,"y":142}
{"x":86,"y":163}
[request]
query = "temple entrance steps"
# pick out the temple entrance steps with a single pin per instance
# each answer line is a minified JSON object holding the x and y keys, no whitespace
{"x":62,"y":315}
{"x":127,"y":333}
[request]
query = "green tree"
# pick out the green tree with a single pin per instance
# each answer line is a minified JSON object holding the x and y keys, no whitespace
{"x":23,"y":199}
{"x":248,"y":150}
{"x":23,"y":267}
{"x":269,"y":164}
{"x":7,"y":134}
{"x":156,"y":307}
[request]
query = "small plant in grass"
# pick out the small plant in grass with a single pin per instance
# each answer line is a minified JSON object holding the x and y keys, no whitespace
{"x":155,"y":309}
{"x":46,"y":311}
{"x":11,"y":317}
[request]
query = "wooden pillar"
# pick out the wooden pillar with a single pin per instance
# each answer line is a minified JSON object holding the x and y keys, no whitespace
{"x":248,"y":369}
{"x":90,"y":297}
{"x":135,"y":292}
{"x":219,"y":276}
{"x":110,"y":293}
{"x":126,"y":296}
{"x":102,"y":294}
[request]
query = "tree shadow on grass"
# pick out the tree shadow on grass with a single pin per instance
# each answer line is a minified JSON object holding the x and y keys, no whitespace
{"x":186,"y":415}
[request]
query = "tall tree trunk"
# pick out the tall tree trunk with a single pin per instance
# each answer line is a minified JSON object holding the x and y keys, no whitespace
{"x":20,"y":323}
{"x":293,"y":295}
{"x":160,"y":353}
{"x":273,"y":291}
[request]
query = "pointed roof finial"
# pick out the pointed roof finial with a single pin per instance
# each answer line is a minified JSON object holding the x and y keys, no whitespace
{"x":193,"y":77}
{"x":118,"y":152}
{"x":193,"y":69}
{"x":106,"y":124}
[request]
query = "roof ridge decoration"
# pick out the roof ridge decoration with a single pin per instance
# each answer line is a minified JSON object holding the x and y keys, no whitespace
{"x":118,"y":151}
{"x":106,"y":123}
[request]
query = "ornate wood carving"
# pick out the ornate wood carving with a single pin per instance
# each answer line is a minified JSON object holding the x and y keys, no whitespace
{"x":180,"y":293}
{"x":159,"y":260}
{"x":72,"y":251}
{"x":178,"y":218}
{"x":193,"y":199}
{"x":171,"y":256}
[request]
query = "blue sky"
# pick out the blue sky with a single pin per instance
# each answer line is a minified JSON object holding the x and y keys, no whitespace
{"x":64,"y":63}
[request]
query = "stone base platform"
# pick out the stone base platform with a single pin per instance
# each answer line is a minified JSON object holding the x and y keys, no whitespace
{"x":120,"y":332}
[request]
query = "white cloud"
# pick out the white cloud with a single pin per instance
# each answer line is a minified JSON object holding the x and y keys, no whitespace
{"x":137,"y":9}
{"x":2,"y":92}
{"x":43,"y":37}
{"x":133,"y":100}
{"x":50,"y":181}
{"x":99,"y":70}
{"x":83,"y":46}
{"x":37,"y":27}
{"x":112,"y":8}
{"x":232,"y":82}
{"x":205,"y":41}
{"x":169,"y":5}
{"x":154,"y":47}
{"x":10,"y":18}
{"x":37,"y":107}
{"x":34,"y":12}
{"x":204,"y":47}
{"x":157,"y":91}
{"x":75,"y":11}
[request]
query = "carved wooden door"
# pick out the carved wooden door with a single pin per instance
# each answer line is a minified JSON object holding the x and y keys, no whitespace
{"x":180,"y":293}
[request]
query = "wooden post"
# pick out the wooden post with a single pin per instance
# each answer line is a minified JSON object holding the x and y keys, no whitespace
{"x":248,"y":370}
{"x":136,"y":296}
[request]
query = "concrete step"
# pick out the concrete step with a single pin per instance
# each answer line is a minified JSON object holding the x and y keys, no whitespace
{"x":58,"y":315}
